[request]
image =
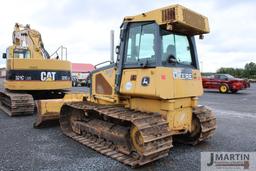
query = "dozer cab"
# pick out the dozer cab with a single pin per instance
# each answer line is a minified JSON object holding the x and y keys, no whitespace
{"x":137,"y":106}
{"x":31,"y":73}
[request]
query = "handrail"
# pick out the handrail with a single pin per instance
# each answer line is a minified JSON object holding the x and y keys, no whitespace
{"x":103,"y":63}
{"x":63,"y":51}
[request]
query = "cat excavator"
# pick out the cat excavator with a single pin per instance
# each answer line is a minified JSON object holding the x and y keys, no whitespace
{"x":31,"y":73}
{"x":137,"y":106}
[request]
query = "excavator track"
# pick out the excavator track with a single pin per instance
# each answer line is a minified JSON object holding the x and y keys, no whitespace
{"x":16,"y":104}
{"x":109,"y":131}
{"x":205,"y":123}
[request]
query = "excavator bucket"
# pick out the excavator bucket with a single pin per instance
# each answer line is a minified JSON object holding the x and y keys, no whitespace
{"x":50,"y":109}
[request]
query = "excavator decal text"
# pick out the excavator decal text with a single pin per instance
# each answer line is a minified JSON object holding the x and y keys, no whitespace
{"x":48,"y":76}
{"x":41,"y":75}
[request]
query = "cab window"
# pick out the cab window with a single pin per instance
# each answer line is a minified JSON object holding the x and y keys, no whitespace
{"x":21,"y":54}
{"x":175,"y":49}
{"x":140,"y":44}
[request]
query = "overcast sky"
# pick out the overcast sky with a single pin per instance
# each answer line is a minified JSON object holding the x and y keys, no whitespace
{"x":83,"y":26}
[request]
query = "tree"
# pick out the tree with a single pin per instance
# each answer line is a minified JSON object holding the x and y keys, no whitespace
{"x":249,"y":71}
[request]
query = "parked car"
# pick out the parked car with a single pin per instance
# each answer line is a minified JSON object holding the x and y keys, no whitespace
{"x":225,"y":83}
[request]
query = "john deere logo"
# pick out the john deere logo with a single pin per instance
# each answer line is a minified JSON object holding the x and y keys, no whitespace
{"x":48,"y":76}
{"x":145,"y":81}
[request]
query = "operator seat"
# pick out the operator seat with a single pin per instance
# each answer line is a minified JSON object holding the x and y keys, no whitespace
{"x":170,"y":54}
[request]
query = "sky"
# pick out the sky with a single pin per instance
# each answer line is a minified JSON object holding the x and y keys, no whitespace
{"x":83,"y":26}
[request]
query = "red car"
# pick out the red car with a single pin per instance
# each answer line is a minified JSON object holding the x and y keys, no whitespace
{"x":225,"y":83}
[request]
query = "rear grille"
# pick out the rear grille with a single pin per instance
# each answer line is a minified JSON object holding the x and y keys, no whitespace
{"x":193,"y":19}
{"x":168,"y":14}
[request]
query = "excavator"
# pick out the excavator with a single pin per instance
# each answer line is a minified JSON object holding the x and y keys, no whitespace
{"x":32,"y":74}
{"x":137,"y":106}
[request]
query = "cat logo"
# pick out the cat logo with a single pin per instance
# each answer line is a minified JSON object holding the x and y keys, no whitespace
{"x":145,"y":81}
{"x":48,"y":76}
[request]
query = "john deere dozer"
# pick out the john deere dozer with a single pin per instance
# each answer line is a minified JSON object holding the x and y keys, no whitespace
{"x":137,"y":106}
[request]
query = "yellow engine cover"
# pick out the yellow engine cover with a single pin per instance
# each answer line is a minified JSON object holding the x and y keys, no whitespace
{"x":37,"y":74}
{"x":162,"y":82}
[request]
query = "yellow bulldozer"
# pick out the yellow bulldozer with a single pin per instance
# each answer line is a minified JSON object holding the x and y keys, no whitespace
{"x":138,"y":105}
{"x":32,"y":74}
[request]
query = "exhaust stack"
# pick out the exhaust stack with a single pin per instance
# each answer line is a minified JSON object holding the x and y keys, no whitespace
{"x":112,"y":46}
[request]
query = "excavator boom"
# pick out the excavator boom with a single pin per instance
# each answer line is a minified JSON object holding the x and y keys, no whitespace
{"x":25,"y":37}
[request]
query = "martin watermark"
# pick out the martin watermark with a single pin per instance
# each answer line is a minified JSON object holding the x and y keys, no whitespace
{"x":228,"y":161}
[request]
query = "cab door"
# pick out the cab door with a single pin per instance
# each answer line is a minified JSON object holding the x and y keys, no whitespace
{"x":140,"y":60}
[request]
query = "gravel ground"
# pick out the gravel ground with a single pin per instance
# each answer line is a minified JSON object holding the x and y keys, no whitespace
{"x":47,"y":149}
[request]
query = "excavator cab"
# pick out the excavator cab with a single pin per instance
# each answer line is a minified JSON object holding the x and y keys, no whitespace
{"x":21,"y":53}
